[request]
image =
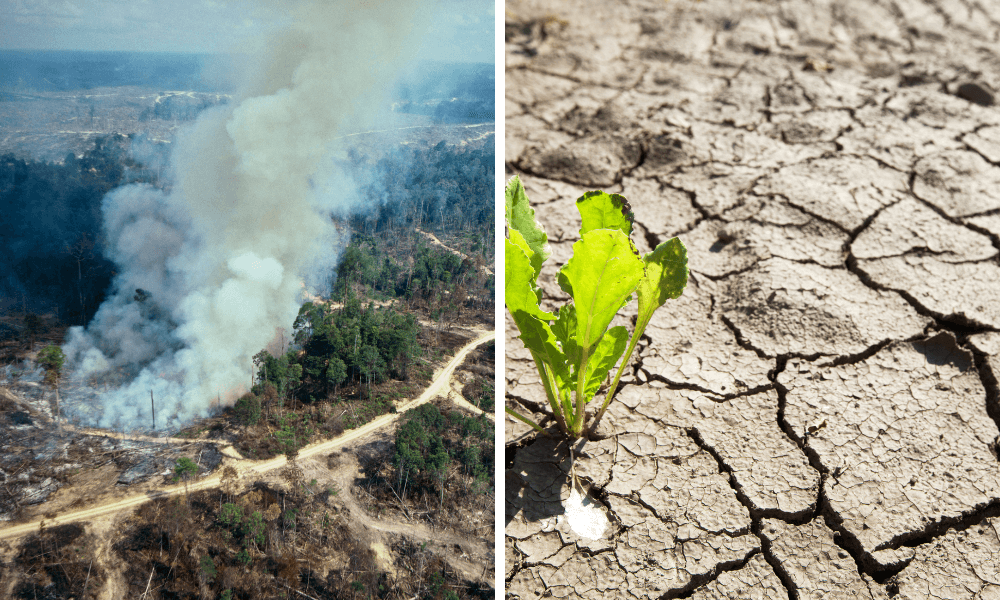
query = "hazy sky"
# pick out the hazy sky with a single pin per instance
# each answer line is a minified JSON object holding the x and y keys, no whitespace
{"x":463,"y":30}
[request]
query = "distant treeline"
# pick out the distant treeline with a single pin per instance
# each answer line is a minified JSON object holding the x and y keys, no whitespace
{"x":449,"y":92}
{"x":61,"y":71}
{"x":442,"y":186}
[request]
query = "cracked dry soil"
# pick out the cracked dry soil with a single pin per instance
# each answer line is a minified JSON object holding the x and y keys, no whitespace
{"x":816,"y":417}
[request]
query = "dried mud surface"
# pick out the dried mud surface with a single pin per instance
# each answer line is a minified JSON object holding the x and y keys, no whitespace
{"x":817,"y":416}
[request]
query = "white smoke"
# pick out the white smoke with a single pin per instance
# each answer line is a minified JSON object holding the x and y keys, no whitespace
{"x":212,"y":269}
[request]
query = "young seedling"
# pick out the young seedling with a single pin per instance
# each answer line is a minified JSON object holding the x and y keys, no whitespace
{"x":575,"y":349}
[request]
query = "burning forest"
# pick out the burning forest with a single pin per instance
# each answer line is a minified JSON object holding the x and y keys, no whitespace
{"x":207,"y":264}
{"x":234,"y":324}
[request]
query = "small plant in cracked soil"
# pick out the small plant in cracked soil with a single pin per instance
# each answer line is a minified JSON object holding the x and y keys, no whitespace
{"x":575,"y":349}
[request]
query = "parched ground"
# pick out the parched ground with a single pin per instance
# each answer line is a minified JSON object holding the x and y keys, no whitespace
{"x":816,"y":417}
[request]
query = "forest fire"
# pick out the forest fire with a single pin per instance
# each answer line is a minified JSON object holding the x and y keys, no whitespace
{"x":209,"y":269}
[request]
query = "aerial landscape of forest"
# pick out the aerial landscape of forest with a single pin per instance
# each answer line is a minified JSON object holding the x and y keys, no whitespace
{"x":242,"y":357}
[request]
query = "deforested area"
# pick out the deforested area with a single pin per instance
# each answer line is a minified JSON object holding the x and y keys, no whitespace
{"x":229,"y":283}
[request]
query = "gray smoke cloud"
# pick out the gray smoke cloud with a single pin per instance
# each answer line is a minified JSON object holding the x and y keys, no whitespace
{"x":222,"y":255}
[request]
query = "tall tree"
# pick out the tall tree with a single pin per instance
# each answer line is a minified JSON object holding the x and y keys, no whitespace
{"x":52,"y":360}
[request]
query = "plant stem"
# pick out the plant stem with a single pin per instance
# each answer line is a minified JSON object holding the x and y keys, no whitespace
{"x":581,"y":399}
{"x":525,"y":420}
{"x":551,"y":389}
{"x":567,"y":406}
{"x":640,"y":327}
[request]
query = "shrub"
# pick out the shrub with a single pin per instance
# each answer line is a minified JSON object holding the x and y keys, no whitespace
{"x":231,"y":515}
{"x":248,"y":409}
{"x":185,"y":467}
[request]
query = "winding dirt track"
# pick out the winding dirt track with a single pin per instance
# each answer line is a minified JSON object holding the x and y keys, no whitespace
{"x":247,"y":468}
{"x":461,"y":551}
{"x":435,"y":241}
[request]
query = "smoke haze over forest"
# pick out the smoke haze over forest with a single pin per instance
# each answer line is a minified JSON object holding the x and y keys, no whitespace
{"x":457,"y":30}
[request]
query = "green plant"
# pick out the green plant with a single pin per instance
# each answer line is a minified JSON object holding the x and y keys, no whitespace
{"x":52,"y":360}
{"x":575,"y":349}
{"x":435,"y":582}
{"x":231,"y":515}
{"x":254,"y":529}
{"x":208,"y":568}
{"x":248,"y":409}
{"x":185,"y":467}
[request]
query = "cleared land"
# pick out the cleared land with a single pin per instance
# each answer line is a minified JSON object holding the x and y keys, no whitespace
{"x":327,"y":478}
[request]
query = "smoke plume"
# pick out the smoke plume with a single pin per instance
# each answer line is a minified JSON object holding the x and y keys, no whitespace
{"x":212,"y":268}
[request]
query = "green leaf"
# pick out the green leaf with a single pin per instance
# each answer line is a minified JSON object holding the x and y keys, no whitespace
{"x":600,"y":210}
{"x":518,"y":240}
{"x":609,"y":349}
{"x":521,"y":218}
{"x":519,"y":291}
{"x":565,"y":331}
{"x":537,"y":337}
{"x":603,"y":273}
{"x":665,"y":279}
{"x":522,"y":302}
{"x":564,"y":283}
{"x":606,"y":354}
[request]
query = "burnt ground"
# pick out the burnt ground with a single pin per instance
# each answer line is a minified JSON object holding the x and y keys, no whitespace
{"x":817,"y":415}
{"x":338,"y":533}
{"x":46,"y":469}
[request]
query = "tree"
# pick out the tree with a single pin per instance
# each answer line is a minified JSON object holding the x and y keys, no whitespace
{"x":230,"y":482}
{"x":207,"y":568}
{"x":231,"y":515}
{"x":52,"y":360}
{"x":411,"y":437}
{"x":254,"y":530}
{"x":282,"y":371}
{"x":32,"y":326}
{"x":248,"y":409}
{"x":373,"y":366}
{"x":336,"y":373}
{"x":81,"y":251}
{"x":185,"y":468}
{"x":260,"y":361}
{"x":438,"y":462}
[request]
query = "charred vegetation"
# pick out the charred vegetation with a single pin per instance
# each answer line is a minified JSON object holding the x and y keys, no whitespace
{"x":257,"y":544}
{"x":438,"y":454}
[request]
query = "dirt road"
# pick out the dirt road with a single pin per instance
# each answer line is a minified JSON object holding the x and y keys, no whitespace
{"x":253,"y":469}
{"x":467,"y":555}
{"x":435,"y":241}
